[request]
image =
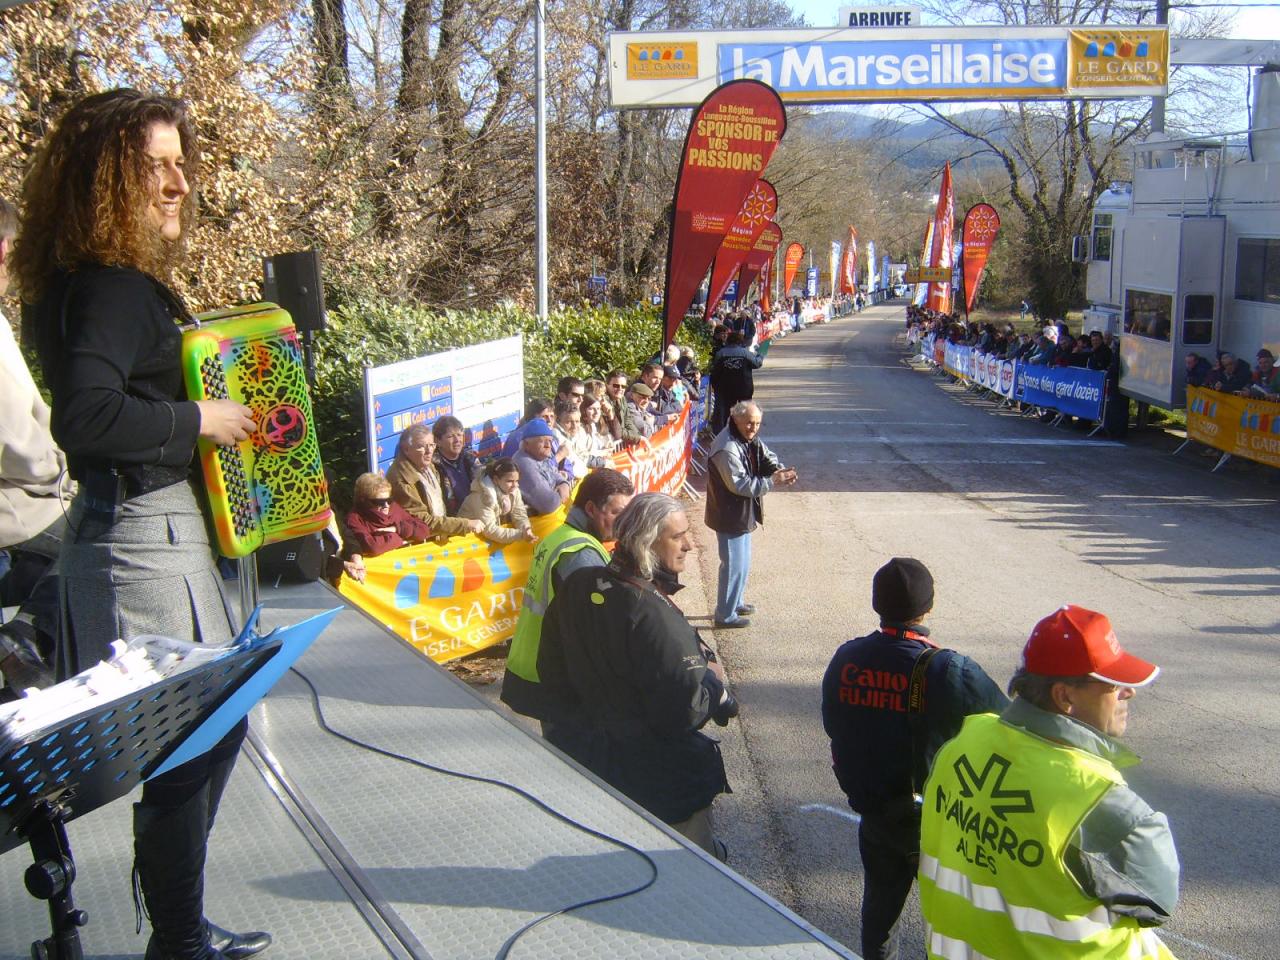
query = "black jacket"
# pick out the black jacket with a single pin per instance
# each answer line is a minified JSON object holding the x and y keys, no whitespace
{"x":629,"y":671}
{"x":731,"y":374}
{"x":110,"y":348}
{"x":864,"y":711}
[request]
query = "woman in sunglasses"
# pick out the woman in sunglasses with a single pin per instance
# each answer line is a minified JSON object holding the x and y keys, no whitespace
{"x":377,"y":523}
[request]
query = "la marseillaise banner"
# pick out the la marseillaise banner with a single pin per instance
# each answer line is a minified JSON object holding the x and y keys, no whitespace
{"x":757,"y":210}
{"x":759,"y":256}
{"x":791,"y":263}
{"x":981,"y":224}
{"x":677,"y":68}
{"x":1240,"y":426}
{"x":454,"y":599}
{"x":730,"y":141}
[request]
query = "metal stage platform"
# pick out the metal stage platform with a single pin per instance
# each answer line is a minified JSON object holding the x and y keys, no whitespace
{"x":346,"y":854}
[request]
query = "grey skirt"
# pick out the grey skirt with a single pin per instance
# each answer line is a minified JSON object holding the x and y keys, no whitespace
{"x":152,"y":571}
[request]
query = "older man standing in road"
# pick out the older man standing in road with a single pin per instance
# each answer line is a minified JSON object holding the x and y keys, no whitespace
{"x":1031,"y":843}
{"x":741,"y":470}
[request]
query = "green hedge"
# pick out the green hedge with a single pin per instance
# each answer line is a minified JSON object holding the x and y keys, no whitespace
{"x":579,"y":341}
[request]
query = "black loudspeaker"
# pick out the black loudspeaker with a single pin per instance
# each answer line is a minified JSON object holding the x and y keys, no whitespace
{"x":292,"y":280}
{"x":299,"y":560}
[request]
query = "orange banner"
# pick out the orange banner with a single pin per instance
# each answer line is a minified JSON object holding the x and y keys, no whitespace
{"x":981,"y":224}
{"x":795,"y":253}
{"x":940,"y":252}
{"x":1240,"y":426}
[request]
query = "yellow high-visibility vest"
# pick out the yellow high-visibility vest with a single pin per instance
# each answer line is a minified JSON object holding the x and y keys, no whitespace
{"x":1000,"y":807}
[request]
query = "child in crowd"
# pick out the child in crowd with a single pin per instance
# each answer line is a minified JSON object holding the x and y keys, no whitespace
{"x":495,"y":501}
{"x":377,"y":523}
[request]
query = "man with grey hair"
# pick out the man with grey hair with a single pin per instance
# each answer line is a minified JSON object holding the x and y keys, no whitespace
{"x":741,"y":470}
{"x":635,"y":682}
{"x":31,"y":499}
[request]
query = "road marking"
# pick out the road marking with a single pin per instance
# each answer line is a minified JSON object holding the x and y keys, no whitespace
{"x":902,"y":463}
{"x":881,"y":423}
{"x":1170,"y":935}
{"x":827,"y":438}
{"x":835,"y":811}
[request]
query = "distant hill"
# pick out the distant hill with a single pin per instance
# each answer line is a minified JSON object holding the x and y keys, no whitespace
{"x":917,"y":143}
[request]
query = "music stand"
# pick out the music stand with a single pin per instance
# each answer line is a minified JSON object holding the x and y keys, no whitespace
{"x":70,"y":768}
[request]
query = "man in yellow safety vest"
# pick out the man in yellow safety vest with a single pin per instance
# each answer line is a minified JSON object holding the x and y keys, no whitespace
{"x":1031,"y":844}
{"x":577,"y":543}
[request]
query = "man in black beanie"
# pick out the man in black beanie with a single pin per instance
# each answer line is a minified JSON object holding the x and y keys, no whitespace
{"x":889,"y":701}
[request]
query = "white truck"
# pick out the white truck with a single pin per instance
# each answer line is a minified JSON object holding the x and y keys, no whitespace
{"x":1186,"y":258}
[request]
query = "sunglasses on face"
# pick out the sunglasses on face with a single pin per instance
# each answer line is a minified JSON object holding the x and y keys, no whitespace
{"x":578,"y":395}
{"x":381,"y":501}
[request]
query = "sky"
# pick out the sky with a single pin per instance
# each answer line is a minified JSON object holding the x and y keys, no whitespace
{"x":1254,"y":20}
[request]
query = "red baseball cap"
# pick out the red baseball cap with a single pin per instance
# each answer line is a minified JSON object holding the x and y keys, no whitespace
{"x":1075,"y":642}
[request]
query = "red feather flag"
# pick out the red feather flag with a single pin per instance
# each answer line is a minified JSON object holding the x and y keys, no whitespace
{"x":757,"y":211}
{"x":941,"y":254}
{"x":981,"y":224}
{"x":730,"y":141}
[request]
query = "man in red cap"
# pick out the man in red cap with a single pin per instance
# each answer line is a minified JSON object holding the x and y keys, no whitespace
{"x":1031,"y":843}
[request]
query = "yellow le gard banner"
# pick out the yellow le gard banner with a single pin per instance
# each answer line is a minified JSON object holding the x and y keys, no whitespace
{"x":1240,"y":426}
{"x":450,"y":600}
{"x":457,"y":598}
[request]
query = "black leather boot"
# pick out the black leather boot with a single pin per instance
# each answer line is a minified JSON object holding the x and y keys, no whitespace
{"x":169,"y":855}
{"x":237,"y":946}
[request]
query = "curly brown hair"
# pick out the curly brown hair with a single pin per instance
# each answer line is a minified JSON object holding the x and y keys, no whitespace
{"x":85,"y":198}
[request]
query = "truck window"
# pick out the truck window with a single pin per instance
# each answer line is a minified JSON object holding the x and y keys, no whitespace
{"x":1101,"y":237}
{"x":1148,"y":314}
{"x":1258,"y":269}
{"x":1197,"y":319}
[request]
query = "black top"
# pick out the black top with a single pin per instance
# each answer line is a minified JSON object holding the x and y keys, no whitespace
{"x":110,"y":347}
{"x":633,"y":690}
{"x":864,"y":711}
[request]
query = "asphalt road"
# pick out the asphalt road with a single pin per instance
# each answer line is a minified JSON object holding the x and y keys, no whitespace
{"x":1014,"y":518}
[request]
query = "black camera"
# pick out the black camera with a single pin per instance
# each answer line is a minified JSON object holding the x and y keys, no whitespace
{"x":725,"y":710}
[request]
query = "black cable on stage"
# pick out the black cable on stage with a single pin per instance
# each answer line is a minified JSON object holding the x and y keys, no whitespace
{"x":476,"y":778}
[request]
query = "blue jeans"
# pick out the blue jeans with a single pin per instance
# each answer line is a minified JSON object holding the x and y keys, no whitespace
{"x":735,"y":564}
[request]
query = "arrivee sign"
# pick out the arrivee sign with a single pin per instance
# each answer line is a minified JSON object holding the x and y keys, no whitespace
{"x":863,"y":17}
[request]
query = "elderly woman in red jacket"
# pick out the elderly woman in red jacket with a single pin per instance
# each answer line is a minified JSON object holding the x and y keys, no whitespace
{"x":377,"y":523}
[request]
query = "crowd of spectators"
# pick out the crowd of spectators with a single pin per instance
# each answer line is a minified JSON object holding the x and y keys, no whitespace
{"x":1230,"y":374}
{"x":1052,"y":345}
{"x":437,"y":486}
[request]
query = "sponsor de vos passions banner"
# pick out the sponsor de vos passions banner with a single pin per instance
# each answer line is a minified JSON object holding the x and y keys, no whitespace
{"x":452,"y":599}
{"x":758,"y":210}
{"x":1240,"y":426}
{"x":795,"y":253}
{"x":981,"y":224}
{"x":731,"y":139}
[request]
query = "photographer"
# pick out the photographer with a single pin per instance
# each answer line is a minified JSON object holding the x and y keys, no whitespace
{"x":635,"y":682}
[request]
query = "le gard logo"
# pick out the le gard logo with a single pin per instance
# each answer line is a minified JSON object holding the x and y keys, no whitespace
{"x":662,"y":61}
{"x":1118,"y":57}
